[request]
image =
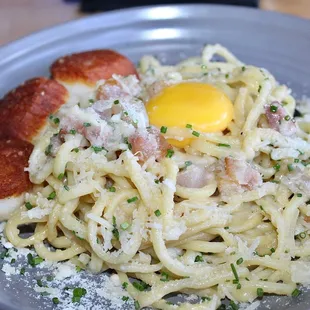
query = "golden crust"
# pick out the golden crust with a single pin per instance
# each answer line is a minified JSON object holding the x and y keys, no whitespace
{"x":24,"y":111}
{"x":14,"y":155}
{"x":89,"y":67}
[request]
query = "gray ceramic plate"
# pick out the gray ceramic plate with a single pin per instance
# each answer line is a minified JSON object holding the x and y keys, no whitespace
{"x":278,"y":42}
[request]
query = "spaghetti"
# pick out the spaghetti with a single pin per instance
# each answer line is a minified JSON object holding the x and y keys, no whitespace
{"x":241,"y":233}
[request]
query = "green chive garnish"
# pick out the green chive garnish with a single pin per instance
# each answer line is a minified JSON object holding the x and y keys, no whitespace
{"x":28,"y":205}
{"x":233,"y":268}
{"x":224,"y":145}
{"x":133,"y":199}
{"x":296,"y":292}
{"x":157,"y":213}
{"x":290,"y":167}
{"x":170,"y":153}
{"x":199,"y":259}
{"x":273,"y":108}
{"x":52,"y":195}
{"x":163,"y":129}
{"x":239,"y":261}
{"x":260,"y":292}
{"x":55,"y":301}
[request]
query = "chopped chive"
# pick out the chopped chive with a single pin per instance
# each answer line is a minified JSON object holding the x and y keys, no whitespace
{"x":76,"y":150}
{"x":296,"y":160}
{"x":227,"y":76}
{"x":199,"y":259}
{"x":243,"y":68}
{"x":125,"y":285}
{"x":33,"y":261}
{"x":72,"y":131}
{"x":296,"y":292}
{"x":28,"y":205}
{"x":49,"y":278}
{"x":115,"y":231}
{"x":13,"y":260}
{"x":56,"y":120}
{"x":157,"y":213}
{"x":86,"y":124}
{"x":79,"y":292}
{"x":126,"y":113}
{"x":61,"y":176}
{"x":164,"y":277}
{"x":290,"y":167}
{"x":170,"y":153}
{"x":22,"y":271}
{"x":67,"y":188}
{"x":260,"y":292}
{"x":189,"y":126}
{"x":301,"y":152}
{"x":238,"y":286}
{"x":116,"y":101}
{"x":39,"y":283}
{"x":156,"y":181}
{"x":195,"y":133}
{"x":51,"y":116}
{"x":239,"y":261}
{"x":273,"y":108}
{"x":233,"y":305}
{"x":233,"y":268}
{"x":299,"y":195}
{"x":97,"y":149}
{"x":287,"y":117}
{"x":125,"y":298}
{"x":203,"y":299}
{"x":112,"y":189}
{"x":163,"y":129}
{"x":48,"y":150}
{"x":55,"y":300}
{"x":137,"y":305}
{"x":272,"y":250}
{"x":4,"y":254}
{"x":140,"y":286}
{"x":52,"y":195}
{"x":259,"y":88}
{"x":91,"y":100}
{"x":203,"y":67}
{"x":277,"y":167}
{"x":224,"y":145}
{"x":133,"y":199}
{"x":78,"y":269}
{"x":247,"y":278}
{"x":226,"y":227}
{"x":125,"y":225}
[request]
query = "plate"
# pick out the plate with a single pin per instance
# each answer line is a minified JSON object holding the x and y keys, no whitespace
{"x":280,"y":43}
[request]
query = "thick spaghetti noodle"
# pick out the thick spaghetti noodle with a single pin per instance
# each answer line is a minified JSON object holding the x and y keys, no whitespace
{"x":242,"y":233}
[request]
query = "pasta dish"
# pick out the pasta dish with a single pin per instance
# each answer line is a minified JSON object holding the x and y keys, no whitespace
{"x":184,"y":179}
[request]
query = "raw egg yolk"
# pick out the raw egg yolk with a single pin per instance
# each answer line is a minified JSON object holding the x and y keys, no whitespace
{"x":202,"y":106}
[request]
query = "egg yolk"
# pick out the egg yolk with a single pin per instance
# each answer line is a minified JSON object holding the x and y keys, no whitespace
{"x":200,"y":105}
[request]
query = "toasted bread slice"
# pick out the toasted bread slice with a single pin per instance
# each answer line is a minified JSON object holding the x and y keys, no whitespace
{"x":24,"y":111}
{"x":90,"y":67}
{"x":14,"y":181}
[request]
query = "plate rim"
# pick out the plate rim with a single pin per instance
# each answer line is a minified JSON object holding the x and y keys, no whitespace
{"x":15,"y":48}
